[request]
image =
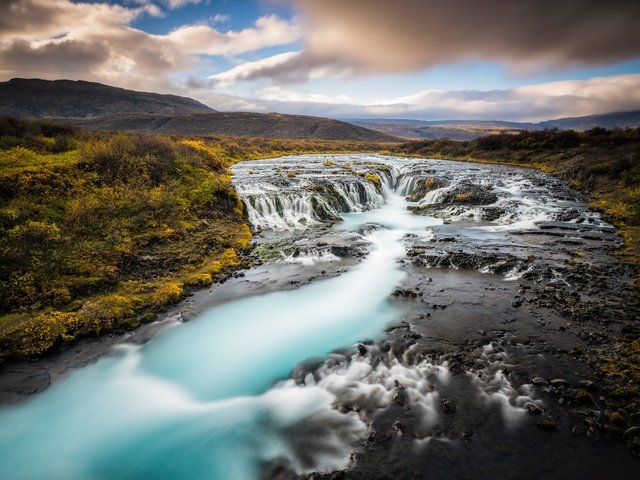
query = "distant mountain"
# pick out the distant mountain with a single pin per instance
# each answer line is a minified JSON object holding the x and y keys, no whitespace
{"x":35,"y":98}
{"x":470,"y":129}
{"x":418,"y":129}
{"x":608,"y":120}
{"x":240,"y":124}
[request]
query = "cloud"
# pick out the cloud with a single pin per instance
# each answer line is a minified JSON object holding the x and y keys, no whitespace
{"x":269,"y":66}
{"x":269,"y":30}
{"x":220,"y":18}
{"x":63,"y":39}
{"x":289,"y":67}
{"x":280,"y":94}
{"x":529,"y":103}
{"x":175,"y":4}
{"x":378,"y":36}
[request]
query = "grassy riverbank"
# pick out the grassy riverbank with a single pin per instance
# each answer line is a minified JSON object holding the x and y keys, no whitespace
{"x":99,"y":232}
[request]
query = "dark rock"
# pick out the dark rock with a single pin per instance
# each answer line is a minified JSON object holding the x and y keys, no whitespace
{"x":632,"y":432}
{"x":582,"y":397}
{"x":534,"y":409}
{"x":547,"y":424}
{"x":589,"y":385}
{"x":539,"y":381}
{"x":448,"y":406}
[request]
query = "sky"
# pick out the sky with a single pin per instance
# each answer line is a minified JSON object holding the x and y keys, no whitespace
{"x":516,"y":60}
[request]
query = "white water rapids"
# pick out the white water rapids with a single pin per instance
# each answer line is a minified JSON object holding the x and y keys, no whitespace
{"x":199,"y":401}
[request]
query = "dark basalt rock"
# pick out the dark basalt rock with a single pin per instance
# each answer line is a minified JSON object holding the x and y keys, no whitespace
{"x":469,"y":194}
{"x":425,"y":186}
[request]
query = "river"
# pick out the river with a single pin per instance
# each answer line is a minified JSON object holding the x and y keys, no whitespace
{"x":402,"y":275}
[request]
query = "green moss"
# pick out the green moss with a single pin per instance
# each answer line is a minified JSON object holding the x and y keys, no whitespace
{"x":547,"y":424}
{"x":613,"y":430}
{"x":616,"y":418}
{"x":582,"y":397}
{"x":623,"y":393}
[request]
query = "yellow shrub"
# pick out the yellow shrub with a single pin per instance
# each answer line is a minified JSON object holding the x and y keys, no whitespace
{"x":106,"y":312}
{"x":167,"y":294}
{"x":198,"y":280}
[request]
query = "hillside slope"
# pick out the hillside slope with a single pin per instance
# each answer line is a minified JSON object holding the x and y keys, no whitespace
{"x":608,"y":120}
{"x":240,"y":124}
{"x":35,"y":98}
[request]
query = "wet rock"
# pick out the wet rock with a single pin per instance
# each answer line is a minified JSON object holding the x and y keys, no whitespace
{"x":622,"y":393}
{"x":616,"y":418}
{"x":589,"y":385}
{"x":632,"y":432}
{"x":376,"y":438}
{"x":448,"y":406}
{"x":547,"y":424}
{"x":559,"y":383}
{"x":582,"y":397}
{"x":613,"y":430}
{"x":341,"y":250}
{"x":398,"y":427}
{"x":540,"y":381}
{"x":469,"y":194}
{"x":425,"y":186}
{"x":407,"y":293}
{"x":534,"y":409}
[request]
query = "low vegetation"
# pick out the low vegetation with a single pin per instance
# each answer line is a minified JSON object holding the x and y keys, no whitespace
{"x":99,"y":232}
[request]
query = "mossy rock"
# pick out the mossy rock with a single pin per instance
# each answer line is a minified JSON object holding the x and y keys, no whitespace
{"x":547,"y":424}
{"x":616,"y":418}
{"x":582,"y":397}
{"x":623,"y":393}
{"x":613,"y":430}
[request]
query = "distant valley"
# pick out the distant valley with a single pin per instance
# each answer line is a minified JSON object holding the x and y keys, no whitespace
{"x":464,"y":130}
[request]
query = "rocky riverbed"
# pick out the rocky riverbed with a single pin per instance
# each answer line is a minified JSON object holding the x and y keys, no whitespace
{"x":402,"y":319}
{"x":519,"y":286}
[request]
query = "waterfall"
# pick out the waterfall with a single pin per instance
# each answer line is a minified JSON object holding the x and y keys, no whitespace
{"x":300,"y":208}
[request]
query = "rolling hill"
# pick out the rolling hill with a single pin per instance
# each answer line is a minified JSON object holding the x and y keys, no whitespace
{"x":35,"y":98}
{"x":102,"y":107}
{"x":240,"y":124}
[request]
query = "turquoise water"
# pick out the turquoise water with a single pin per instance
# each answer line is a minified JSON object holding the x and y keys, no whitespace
{"x":197,"y":401}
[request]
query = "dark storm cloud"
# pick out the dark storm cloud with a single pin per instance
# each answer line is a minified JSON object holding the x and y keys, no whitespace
{"x":413,"y":34}
{"x":73,"y":56}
